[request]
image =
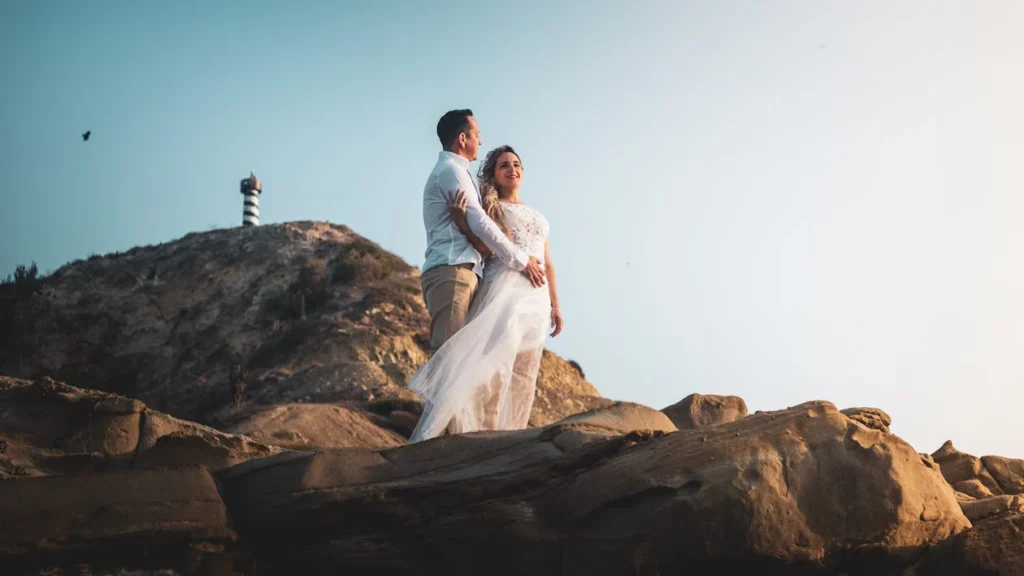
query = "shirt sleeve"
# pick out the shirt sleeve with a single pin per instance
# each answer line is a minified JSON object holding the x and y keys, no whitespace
{"x":450,"y":180}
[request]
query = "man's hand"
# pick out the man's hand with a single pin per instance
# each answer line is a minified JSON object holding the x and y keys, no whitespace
{"x":534,"y":272}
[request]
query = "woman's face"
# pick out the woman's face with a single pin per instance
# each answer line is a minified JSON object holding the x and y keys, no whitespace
{"x":508,"y":171}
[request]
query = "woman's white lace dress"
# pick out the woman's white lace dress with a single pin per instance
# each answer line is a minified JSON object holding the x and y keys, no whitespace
{"x":485,"y":376}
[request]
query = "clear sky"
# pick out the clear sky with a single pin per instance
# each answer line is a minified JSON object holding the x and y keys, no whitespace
{"x":782,"y":200}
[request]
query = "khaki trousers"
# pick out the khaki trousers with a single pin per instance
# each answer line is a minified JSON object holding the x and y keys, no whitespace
{"x":448,"y":292}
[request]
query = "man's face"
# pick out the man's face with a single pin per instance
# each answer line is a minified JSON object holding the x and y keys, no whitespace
{"x":471,"y":137}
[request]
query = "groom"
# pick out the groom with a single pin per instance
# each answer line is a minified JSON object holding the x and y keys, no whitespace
{"x":453,"y":267}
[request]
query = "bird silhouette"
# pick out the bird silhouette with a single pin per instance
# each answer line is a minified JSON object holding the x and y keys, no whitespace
{"x":85,"y":136}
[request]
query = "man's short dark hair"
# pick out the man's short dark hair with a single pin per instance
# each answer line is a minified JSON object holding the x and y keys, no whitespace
{"x":453,"y":123}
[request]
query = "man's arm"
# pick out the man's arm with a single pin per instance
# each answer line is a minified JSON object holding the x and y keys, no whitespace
{"x":451,"y":181}
{"x":457,"y":210}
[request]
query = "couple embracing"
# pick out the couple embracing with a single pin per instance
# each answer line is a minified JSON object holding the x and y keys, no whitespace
{"x":489,"y":286}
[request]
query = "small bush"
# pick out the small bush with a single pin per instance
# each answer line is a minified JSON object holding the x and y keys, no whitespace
{"x":306,"y":293}
{"x":364,"y":261}
{"x":311,"y":277}
{"x":17,"y":313}
{"x":237,"y":379}
{"x":422,"y":339}
{"x":385,"y":406}
{"x":311,"y":286}
{"x":24,"y":282}
{"x":401,"y":295}
{"x":24,"y":273}
{"x":344,"y":272}
{"x":277,"y":305}
{"x":381,"y":296}
{"x":578,"y":368}
{"x":281,"y":345}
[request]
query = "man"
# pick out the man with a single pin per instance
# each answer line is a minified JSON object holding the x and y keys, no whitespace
{"x":453,"y":267}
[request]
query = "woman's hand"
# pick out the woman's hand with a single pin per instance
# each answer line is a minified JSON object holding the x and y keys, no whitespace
{"x":556,"y":321}
{"x":457,"y":209}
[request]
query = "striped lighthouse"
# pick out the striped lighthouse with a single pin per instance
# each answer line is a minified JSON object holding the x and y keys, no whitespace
{"x":251,"y":187}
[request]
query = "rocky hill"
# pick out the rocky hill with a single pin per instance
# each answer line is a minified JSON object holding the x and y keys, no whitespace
{"x":235,"y":404}
{"x":228,"y":321}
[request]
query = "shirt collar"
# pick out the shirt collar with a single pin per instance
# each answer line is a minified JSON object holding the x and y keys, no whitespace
{"x":454,"y":158}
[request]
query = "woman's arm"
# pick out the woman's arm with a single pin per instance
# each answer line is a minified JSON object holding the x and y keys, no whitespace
{"x":549,"y":272}
{"x":457,"y":210}
{"x":475,"y":240}
{"x":451,"y":180}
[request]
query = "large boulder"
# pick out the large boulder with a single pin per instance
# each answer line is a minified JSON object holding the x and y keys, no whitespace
{"x":800,"y":489}
{"x":1007,"y":472}
{"x":989,"y":548}
{"x":699,"y":410}
{"x":973,"y":488}
{"x":309,"y":426}
{"x":562,"y":391}
{"x":624,"y":417}
{"x":984,"y":508}
{"x":602,"y":423}
{"x":47,"y":427}
{"x":870,"y":417}
{"x":959,"y":467}
{"x":108,"y":522}
{"x":167,"y":442}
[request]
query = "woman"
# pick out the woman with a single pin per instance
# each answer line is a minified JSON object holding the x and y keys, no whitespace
{"x":485,"y":376}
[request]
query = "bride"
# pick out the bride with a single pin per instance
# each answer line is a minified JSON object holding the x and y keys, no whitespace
{"x":485,"y":376}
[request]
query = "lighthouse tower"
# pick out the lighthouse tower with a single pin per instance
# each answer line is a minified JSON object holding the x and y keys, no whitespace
{"x":251,"y":187}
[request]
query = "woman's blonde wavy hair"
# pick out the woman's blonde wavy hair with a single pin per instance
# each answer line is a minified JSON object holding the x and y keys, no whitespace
{"x":488,"y":189}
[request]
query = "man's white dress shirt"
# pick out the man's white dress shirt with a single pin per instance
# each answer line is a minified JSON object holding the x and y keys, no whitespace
{"x":446,"y":245}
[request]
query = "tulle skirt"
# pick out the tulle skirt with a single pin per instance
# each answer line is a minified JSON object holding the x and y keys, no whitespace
{"x":485,"y":376}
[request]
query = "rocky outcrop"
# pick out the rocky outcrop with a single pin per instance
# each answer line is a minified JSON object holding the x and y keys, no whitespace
{"x":624,"y":417}
{"x":984,"y":508}
{"x":1007,"y":472}
{"x":103,"y":522}
{"x":870,"y":417}
{"x":562,"y":391}
{"x":601,"y":423}
{"x":804,"y":488}
{"x":991,"y":496}
{"x":312,"y":426}
{"x":610,"y":491}
{"x":973,"y":488}
{"x":980,"y":477}
{"x":989,"y":548}
{"x":220,"y":321}
{"x":47,"y":427}
{"x":699,"y":410}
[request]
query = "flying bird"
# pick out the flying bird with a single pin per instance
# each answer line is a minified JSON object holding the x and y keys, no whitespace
{"x":85,"y":136}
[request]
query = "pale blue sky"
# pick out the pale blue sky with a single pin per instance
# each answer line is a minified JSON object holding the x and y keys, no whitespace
{"x":781,"y":200}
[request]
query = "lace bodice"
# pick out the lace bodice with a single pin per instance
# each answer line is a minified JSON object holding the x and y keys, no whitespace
{"x":529,"y":228}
